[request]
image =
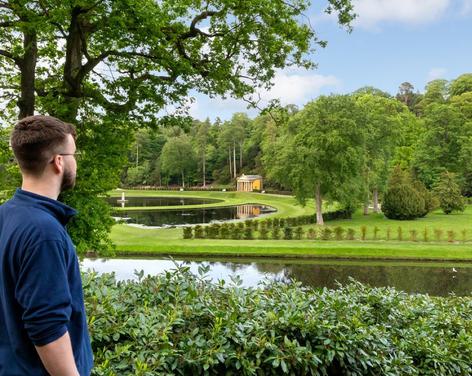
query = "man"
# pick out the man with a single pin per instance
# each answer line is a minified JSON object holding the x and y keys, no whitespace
{"x":43,"y":327}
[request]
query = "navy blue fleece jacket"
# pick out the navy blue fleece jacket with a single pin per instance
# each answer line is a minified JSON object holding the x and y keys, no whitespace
{"x":40,"y":285}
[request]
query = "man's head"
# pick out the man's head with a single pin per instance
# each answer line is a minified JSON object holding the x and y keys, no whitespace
{"x":44,"y":145}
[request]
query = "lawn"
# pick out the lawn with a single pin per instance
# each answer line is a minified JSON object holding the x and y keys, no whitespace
{"x":138,"y":241}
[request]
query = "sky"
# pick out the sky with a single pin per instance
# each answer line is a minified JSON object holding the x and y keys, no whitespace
{"x":392,"y":41}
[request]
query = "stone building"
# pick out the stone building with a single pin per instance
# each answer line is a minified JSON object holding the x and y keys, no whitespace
{"x":249,"y":183}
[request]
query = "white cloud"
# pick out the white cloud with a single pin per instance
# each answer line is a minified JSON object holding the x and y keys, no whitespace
{"x":466,"y":7}
{"x":372,"y":12}
{"x":436,"y":73}
{"x":297,"y":88}
{"x":291,"y":86}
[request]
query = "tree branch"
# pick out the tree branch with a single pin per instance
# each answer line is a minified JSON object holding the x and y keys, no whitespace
{"x":9,"y":55}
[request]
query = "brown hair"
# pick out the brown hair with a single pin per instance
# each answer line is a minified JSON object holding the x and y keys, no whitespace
{"x":35,"y":139}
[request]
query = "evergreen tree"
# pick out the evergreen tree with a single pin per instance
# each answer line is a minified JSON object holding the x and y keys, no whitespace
{"x":449,"y":194}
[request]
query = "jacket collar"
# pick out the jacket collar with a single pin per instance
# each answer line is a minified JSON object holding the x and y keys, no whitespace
{"x":57,"y":209}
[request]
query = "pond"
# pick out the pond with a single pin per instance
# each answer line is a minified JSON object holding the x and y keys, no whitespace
{"x":159,"y":201}
{"x":437,"y":279}
{"x":172,"y":217}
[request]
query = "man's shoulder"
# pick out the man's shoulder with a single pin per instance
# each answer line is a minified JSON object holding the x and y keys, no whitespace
{"x":31,"y":221}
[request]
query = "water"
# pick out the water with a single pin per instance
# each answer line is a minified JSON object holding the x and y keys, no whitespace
{"x":160,"y":201}
{"x":438,"y":279}
{"x":172,"y":217}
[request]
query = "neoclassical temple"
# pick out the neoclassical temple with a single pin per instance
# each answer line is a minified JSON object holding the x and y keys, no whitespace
{"x":249,"y":183}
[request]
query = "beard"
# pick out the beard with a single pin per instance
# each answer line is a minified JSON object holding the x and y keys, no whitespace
{"x":68,"y":180}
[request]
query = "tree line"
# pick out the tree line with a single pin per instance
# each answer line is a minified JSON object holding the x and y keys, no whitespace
{"x":341,"y":148}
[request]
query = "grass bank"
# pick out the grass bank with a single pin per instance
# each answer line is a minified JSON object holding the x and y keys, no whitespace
{"x":147,"y":242}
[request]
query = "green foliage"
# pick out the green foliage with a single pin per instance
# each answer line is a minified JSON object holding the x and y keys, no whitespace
{"x":451,"y":236}
{"x":449,"y":194}
{"x":299,"y":233}
{"x":388,"y":233}
{"x":311,"y":233}
{"x":413,"y":235}
{"x":275,"y":233}
{"x":187,"y":232}
{"x":425,"y":234}
{"x":351,"y":233}
{"x":248,"y":232}
{"x":225,"y":231}
{"x":438,"y":233}
{"x":338,"y":233}
{"x":401,"y":200}
{"x":198,"y":231}
{"x":399,"y":233}
{"x":376,"y":232}
{"x":363,"y":232}
{"x":326,"y":233}
{"x":177,"y":323}
{"x":263,"y":233}
{"x":288,"y":233}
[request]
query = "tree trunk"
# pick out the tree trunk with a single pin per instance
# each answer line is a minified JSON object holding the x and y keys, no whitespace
{"x":240,"y":156}
{"x":204,"y":178}
{"x":318,"y":205}
{"x":234,"y":160}
{"x":366,"y":205}
{"x":230,"y":163}
{"x":26,"y":102}
{"x":376,"y":201}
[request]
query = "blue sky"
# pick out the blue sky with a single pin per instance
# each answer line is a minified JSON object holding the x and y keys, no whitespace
{"x":393,"y":41}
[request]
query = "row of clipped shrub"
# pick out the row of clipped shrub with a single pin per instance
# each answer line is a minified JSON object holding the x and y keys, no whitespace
{"x":249,"y":230}
{"x":180,"y":324}
{"x":246,"y":229}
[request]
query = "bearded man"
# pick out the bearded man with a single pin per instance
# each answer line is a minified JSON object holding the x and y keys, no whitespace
{"x":43,"y":326}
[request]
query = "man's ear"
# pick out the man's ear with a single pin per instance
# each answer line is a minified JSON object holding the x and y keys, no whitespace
{"x":58,"y":164}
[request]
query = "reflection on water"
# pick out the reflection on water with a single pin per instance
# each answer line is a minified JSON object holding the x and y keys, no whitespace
{"x":431,"y":278}
{"x":193,"y":216}
{"x":159,"y":201}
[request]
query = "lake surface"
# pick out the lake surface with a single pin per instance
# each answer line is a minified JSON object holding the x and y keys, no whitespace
{"x":437,"y":279}
{"x":159,"y":201}
{"x":172,"y":217}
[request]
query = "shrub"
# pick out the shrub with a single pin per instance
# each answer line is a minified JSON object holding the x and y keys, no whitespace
{"x":275,"y":222}
{"x":413,"y":235}
{"x":351,"y":233}
{"x":401,"y":200}
{"x":269,"y":223}
{"x":338,"y":233}
{"x":225,"y":231}
{"x":464,"y":235}
{"x":299,"y":233}
{"x":451,"y":236}
{"x":187,"y":231}
{"x":263,"y":233}
{"x":449,"y":194}
{"x":363,"y":232}
{"x":249,"y":223}
{"x":438,"y":233}
{"x":389,"y":233}
{"x":248,"y":233}
{"x":198,"y":231}
{"x":376,"y":232}
{"x":425,"y":235}
{"x":207,"y":232}
{"x":399,"y":233}
{"x":288,"y":233}
{"x":311,"y":233}
{"x":276,"y":233}
{"x":326,"y":233}
{"x":215,"y":230}
{"x":179,"y":324}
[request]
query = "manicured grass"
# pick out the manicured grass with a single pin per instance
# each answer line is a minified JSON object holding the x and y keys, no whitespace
{"x":436,"y":220}
{"x":138,"y":241}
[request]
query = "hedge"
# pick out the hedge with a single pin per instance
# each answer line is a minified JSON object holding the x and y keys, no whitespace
{"x":180,"y":324}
